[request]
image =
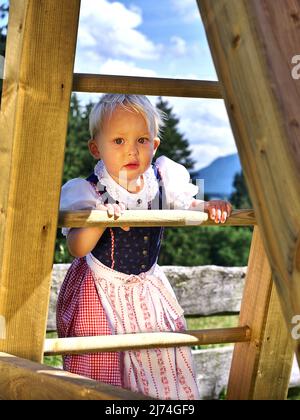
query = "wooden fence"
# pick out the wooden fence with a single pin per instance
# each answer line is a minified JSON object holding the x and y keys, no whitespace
{"x":201,"y":291}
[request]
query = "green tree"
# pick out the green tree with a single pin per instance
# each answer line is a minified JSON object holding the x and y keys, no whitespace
{"x":78,"y":161}
{"x":173,"y":144}
{"x":227,"y":246}
{"x":240,"y":198}
{"x":178,"y":242}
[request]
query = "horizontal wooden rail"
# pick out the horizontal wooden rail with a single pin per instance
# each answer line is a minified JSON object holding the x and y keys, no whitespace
{"x":140,"y":218}
{"x":22,"y":379}
{"x":95,"y":83}
{"x":78,"y":345}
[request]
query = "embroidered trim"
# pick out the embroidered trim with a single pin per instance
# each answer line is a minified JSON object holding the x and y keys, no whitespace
{"x":112,"y":248}
{"x":132,"y":201}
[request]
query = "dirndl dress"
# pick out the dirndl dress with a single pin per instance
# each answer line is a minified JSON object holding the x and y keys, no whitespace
{"x":98,"y":299}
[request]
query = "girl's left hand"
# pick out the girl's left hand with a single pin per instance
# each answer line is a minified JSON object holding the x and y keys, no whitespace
{"x":218,"y":210}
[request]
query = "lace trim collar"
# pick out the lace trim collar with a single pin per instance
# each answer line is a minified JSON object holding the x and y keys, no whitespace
{"x":132,"y":201}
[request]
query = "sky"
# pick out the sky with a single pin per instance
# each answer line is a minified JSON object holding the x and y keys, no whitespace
{"x":164,"y":38}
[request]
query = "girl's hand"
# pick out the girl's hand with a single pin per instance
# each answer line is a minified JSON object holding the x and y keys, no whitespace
{"x":218,"y":210}
{"x":115,"y":210}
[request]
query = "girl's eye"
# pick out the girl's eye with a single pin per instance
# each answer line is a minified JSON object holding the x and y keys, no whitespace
{"x":143,"y":140}
{"x":118,"y":141}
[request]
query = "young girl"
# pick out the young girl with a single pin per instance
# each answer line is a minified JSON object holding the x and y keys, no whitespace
{"x":114,"y":285}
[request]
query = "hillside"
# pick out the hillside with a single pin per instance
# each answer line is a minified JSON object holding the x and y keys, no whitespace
{"x":219,"y":175}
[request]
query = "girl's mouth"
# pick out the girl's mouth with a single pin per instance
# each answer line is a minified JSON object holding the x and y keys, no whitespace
{"x":132,"y":166}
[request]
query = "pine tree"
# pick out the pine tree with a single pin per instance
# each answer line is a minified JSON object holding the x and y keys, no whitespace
{"x":240,"y":198}
{"x":78,"y":161}
{"x":173,"y":144}
{"x":201,"y":245}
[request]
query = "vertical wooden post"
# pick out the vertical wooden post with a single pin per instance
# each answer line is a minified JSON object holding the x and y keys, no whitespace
{"x":261,"y":368}
{"x":33,"y":121}
{"x":253,"y":43}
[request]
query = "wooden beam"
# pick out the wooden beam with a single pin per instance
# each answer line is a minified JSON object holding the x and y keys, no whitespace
{"x":81,"y":218}
{"x":146,"y":86}
{"x":261,"y":368}
{"x":33,"y":123}
{"x":25,"y":380}
{"x":78,"y":345}
{"x":253,"y":43}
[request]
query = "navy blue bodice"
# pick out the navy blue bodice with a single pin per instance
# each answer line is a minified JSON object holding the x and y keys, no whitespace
{"x":134,"y":251}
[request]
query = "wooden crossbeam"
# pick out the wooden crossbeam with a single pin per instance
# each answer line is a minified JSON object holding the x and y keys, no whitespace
{"x":140,"y":218}
{"x":33,"y":124}
{"x":78,"y":345}
{"x":146,"y":86}
{"x":253,"y":44}
{"x":261,"y":367}
{"x":25,"y":380}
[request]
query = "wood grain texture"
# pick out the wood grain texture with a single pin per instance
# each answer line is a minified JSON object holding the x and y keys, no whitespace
{"x":139,"y":218}
{"x":78,"y":345}
{"x":36,"y":95}
{"x":253,"y":43}
{"x":261,"y":368}
{"x":146,"y":86}
{"x":25,"y":380}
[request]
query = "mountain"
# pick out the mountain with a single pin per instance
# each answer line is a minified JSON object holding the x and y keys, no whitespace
{"x":219,"y":175}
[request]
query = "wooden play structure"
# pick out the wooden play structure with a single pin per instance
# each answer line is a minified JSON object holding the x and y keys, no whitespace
{"x":252,"y":43}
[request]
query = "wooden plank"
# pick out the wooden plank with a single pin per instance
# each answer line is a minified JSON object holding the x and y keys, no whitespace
{"x":25,"y":380}
{"x":253,"y":43}
{"x":261,"y":368}
{"x":78,"y":345}
{"x":33,"y":123}
{"x":139,"y":218}
{"x":146,"y":86}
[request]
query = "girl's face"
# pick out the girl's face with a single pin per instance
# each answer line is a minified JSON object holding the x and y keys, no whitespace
{"x":125,"y":145}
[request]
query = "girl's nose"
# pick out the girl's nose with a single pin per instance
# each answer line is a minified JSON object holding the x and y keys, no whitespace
{"x":133,"y":150}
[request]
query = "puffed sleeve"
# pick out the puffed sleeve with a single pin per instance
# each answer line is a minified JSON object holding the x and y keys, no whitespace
{"x":179,"y":190}
{"x":78,"y":194}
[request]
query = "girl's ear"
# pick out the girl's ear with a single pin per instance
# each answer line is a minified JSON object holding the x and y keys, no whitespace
{"x":156,"y":143}
{"x":93,"y":148}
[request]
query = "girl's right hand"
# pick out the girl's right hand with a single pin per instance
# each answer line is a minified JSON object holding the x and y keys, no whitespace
{"x":115,"y":210}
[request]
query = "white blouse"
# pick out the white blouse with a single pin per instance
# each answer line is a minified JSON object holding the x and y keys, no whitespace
{"x":79,"y":194}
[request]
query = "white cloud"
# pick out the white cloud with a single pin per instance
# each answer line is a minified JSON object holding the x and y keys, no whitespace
{"x":205,"y":124}
{"x":125,"y":68}
{"x":187,"y":9}
{"x":110,"y":30}
{"x":111,"y":42}
{"x":178,"y":46}
{"x":204,"y":155}
{"x":88,"y":61}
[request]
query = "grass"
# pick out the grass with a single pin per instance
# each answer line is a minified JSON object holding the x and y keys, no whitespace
{"x":207,"y":322}
{"x":54,"y":361}
{"x":294,"y":394}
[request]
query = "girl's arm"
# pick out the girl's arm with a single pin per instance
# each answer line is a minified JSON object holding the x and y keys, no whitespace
{"x":81,"y":241}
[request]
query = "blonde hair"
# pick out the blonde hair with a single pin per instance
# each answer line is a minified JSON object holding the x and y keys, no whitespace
{"x":138,"y":103}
